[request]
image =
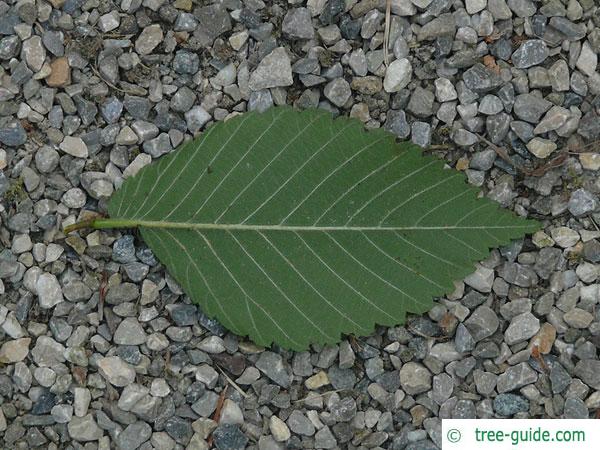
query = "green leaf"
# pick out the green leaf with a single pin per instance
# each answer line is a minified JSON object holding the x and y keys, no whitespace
{"x":292,"y":227}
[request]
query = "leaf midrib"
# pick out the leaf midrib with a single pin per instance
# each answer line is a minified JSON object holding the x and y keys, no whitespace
{"x":132,"y":223}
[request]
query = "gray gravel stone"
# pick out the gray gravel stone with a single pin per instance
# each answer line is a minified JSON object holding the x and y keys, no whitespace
{"x":297,"y":24}
{"x":186,"y":62}
{"x":421,"y":103}
{"x":559,"y":378}
{"x":229,"y":437}
{"x":134,"y":435}
{"x":482,"y":279}
{"x":510,"y":404}
{"x":180,"y":429}
{"x":196,"y":117}
{"x":34,"y":53}
{"x":530,"y":108}
{"x":589,"y":372}
{"x":414,"y":378}
{"x":116,"y":371}
{"x":271,"y":364}
{"x":521,"y":327}
{"x":482,"y":323}
{"x":541,"y":148}
{"x":530,"y":53}
{"x":516,"y":377}
{"x":12,"y":134}
{"x":129,"y":332}
{"x":582,"y":202}
{"x":274,"y":70}
{"x":84,"y":429}
{"x":74,"y":146}
{"x":149,"y":39}
{"x":444,"y":90}
{"x":575,"y":408}
{"x":464,"y":138}
{"x":442,"y":388}
{"x":13,"y":351}
{"x":553,"y":120}
{"x":48,"y":290}
{"x":443,"y":25}
{"x":480,"y":79}
{"x":421,"y":134}
{"x":337,"y":91}
{"x":299,"y":424}
{"x":397,"y":124}
{"x":397,"y":75}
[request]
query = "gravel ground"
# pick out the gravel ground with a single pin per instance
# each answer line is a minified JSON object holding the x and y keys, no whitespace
{"x":90,"y":91}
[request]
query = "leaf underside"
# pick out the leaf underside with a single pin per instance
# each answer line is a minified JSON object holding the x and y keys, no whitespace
{"x":294,"y":228}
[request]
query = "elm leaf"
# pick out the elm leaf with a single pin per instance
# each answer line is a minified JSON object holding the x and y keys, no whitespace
{"x":295,"y":228}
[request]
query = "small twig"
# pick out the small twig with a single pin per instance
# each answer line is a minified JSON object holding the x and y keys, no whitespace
{"x":538,"y":216}
{"x":555,"y":162}
{"x":537,"y":172}
{"x":102,"y":295}
{"x":413,"y":330}
{"x":386,"y":30}
{"x":36,"y":140}
{"x":232,"y":383}
{"x":501,"y":152}
{"x":594,"y":222}
{"x":217,"y":414}
{"x":125,"y":91}
{"x":354,"y":344}
{"x":116,"y":35}
{"x":535,"y":353}
{"x":440,"y":147}
{"x":319,"y":395}
{"x":144,"y":66}
{"x":578,"y":148}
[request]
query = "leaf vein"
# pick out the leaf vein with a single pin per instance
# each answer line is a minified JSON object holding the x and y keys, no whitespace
{"x":418,"y":194}
{"x":254,"y":302}
{"x":288,"y":262}
{"x":391,"y":186}
{"x":290,"y":301}
{"x":411,"y":269}
{"x":216,"y":188}
{"x":235,"y":199}
{"x":365,"y":147}
{"x":343,"y":280}
{"x":329,"y":141}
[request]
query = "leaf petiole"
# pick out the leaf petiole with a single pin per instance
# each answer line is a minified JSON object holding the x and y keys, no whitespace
{"x":97,"y":224}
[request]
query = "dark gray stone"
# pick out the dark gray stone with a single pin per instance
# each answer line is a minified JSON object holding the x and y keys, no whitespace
{"x":480,"y":79}
{"x":214,"y":22}
{"x":134,"y":435}
{"x":510,"y":404}
{"x":229,"y":437}
{"x":530,"y":53}
{"x":12,"y":133}
{"x":186,"y":62}
{"x":271,"y":364}
{"x":297,"y":24}
{"x":397,"y":124}
{"x":421,"y":103}
{"x":179,"y":429}
{"x":530,"y":108}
